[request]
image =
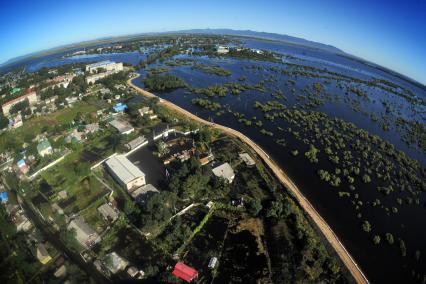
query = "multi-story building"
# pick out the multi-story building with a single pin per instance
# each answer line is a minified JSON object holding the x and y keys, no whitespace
{"x":30,"y":95}
{"x":107,"y":66}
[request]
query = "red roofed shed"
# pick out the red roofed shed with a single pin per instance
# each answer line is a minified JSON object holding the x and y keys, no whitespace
{"x":185,"y":272}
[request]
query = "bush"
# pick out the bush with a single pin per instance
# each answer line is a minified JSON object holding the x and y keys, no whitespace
{"x":389,"y":238}
{"x":376,"y":239}
{"x":366,"y":226}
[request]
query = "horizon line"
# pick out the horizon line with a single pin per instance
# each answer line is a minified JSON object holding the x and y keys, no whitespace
{"x":16,"y":59}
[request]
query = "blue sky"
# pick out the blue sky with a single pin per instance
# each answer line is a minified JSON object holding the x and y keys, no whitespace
{"x":391,"y":33}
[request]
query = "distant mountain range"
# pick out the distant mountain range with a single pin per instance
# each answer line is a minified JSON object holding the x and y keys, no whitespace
{"x":264,"y":35}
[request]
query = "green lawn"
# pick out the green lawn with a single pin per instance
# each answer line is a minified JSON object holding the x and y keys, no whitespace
{"x":92,"y":216}
{"x":74,"y":176}
{"x":15,"y":137}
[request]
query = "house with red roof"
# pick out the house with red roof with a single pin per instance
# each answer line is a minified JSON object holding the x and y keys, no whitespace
{"x":184,"y":272}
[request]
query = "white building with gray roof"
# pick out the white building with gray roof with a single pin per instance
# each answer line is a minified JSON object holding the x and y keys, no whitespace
{"x":122,"y":126}
{"x":247,"y":159}
{"x":125,"y":172}
{"x":224,"y":171}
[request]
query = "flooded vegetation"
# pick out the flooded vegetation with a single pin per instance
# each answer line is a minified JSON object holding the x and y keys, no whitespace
{"x":352,"y":137}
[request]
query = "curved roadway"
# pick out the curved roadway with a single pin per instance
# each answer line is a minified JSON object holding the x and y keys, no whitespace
{"x":284,"y":179}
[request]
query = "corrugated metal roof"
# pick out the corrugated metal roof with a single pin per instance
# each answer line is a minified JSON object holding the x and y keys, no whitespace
{"x":185,"y":272}
{"x":125,"y":170}
{"x":121,"y":125}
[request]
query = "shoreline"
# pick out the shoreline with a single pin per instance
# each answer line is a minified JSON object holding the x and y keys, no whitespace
{"x":322,"y":225}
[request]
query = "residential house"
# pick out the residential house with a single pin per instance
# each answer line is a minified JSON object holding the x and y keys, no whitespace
{"x":44,"y":148}
{"x":62,"y":194}
{"x":22,"y":166}
{"x":135,"y":273}
{"x":16,"y":121}
{"x":4,"y":197}
{"x":146,"y":111}
{"x":42,"y":254}
{"x":122,"y":126}
{"x":21,"y":221}
{"x":212,"y":262}
{"x":85,"y":235}
{"x":185,"y":272}
{"x":74,"y":137}
{"x":120,"y":107}
{"x":247,"y":159}
{"x":115,"y":263}
{"x":224,"y":171}
{"x":207,"y":158}
{"x":91,"y":128}
{"x":108,"y":212}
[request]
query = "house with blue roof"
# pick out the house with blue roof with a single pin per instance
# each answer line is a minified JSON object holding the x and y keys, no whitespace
{"x":4,"y":197}
{"x":22,"y":166}
{"x":120,"y":107}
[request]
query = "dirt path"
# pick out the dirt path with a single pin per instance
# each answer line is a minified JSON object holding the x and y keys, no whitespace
{"x":285,"y":180}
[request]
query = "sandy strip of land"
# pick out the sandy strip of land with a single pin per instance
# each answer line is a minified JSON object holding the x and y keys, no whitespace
{"x":284,"y":179}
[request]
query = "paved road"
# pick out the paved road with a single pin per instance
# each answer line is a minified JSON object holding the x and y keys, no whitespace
{"x":334,"y":241}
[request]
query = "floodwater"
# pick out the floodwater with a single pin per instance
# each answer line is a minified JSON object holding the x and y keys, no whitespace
{"x":387,"y":266}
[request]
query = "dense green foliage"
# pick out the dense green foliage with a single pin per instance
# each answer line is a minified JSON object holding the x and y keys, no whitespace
{"x":212,"y":69}
{"x":161,"y":83}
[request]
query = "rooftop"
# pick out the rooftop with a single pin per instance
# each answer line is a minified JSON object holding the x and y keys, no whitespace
{"x":4,"y":196}
{"x":84,"y":233}
{"x":21,"y":163}
{"x":100,"y":64}
{"x":225,"y":171}
{"x":247,"y":159}
{"x":121,"y":125}
{"x":120,"y":107}
{"x":28,"y":93}
{"x":115,"y":262}
{"x":125,"y":170}
{"x":144,"y":110}
{"x":78,"y":223}
{"x":43,"y":145}
{"x":184,"y":272}
{"x":42,"y":254}
{"x":108,"y":212}
{"x":144,"y":190}
{"x":136,"y":142}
